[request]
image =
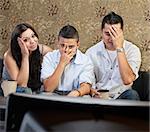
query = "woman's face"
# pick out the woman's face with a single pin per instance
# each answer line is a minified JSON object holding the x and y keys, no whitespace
{"x":30,"y":40}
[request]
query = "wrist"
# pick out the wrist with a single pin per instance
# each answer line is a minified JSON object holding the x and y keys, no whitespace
{"x":63,"y":65}
{"x":78,"y":91}
{"x":120,"y":49}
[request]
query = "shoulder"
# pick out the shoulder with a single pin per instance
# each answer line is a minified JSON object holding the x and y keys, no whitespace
{"x":44,"y":49}
{"x":7,"y":55}
{"x":53,"y":55}
{"x":82,"y":58}
{"x":95,"y":48}
{"x":8,"y":59}
{"x":129,"y":46}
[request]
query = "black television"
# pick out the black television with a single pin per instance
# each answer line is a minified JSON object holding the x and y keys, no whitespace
{"x":61,"y":113}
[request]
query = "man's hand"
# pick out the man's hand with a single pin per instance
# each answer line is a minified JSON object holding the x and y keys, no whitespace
{"x":94,"y":93}
{"x":117,"y":36}
{"x":74,"y":93}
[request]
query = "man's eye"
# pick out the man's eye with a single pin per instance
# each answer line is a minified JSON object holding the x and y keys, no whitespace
{"x":107,"y":34}
{"x":62,"y":45}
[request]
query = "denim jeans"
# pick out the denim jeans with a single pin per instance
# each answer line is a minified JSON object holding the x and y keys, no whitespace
{"x":23,"y":90}
{"x":129,"y":94}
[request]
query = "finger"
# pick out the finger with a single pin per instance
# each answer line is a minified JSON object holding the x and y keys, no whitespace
{"x":71,"y":54}
{"x":112,"y":32}
{"x":20,"y":42}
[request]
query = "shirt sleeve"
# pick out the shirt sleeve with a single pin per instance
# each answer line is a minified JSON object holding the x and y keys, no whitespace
{"x":134,"y":59}
{"x":47,"y":67}
{"x":87,"y":75}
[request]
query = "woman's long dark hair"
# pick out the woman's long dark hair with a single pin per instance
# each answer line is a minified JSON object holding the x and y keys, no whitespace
{"x":35,"y":58}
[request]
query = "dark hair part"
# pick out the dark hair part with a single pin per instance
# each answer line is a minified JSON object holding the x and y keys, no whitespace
{"x":69,"y":31}
{"x":112,"y":18}
{"x":34,"y":59}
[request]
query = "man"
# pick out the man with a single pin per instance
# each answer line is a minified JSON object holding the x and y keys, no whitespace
{"x":67,"y":71}
{"x":116,"y":61}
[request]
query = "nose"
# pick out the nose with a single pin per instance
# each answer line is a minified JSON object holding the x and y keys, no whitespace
{"x":31,"y":40}
{"x":66,"y":48}
{"x":110,"y":39}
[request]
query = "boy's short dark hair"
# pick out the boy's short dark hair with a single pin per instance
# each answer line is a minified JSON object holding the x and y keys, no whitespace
{"x":69,"y":31}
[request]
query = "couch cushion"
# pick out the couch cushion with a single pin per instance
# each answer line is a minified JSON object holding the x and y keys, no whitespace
{"x":141,"y":85}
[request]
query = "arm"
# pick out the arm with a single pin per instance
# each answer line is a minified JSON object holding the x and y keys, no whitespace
{"x":126,"y":72}
{"x":84,"y":89}
{"x":86,"y":79}
{"x":21,"y":76}
{"x":52,"y":82}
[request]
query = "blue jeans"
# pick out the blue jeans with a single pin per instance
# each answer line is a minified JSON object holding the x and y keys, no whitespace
{"x":129,"y":94}
{"x":23,"y":90}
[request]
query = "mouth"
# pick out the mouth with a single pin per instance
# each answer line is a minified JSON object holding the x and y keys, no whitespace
{"x":33,"y":47}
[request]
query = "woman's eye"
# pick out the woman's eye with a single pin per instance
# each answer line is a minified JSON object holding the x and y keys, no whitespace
{"x":33,"y":36}
{"x":25,"y":40}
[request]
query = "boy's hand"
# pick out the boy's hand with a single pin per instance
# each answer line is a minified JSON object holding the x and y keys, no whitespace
{"x":66,"y":57}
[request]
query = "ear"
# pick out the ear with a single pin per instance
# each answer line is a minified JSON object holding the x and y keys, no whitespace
{"x":78,"y":44}
{"x":57,"y":43}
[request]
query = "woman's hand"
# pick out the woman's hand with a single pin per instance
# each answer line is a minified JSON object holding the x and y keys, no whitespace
{"x":24,"y":49}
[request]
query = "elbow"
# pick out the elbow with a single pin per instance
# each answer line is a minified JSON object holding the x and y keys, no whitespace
{"x":46,"y":87}
{"x":128,"y":80}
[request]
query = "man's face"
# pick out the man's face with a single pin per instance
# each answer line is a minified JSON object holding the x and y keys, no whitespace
{"x":68,"y":45}
{"x":106,"y":36}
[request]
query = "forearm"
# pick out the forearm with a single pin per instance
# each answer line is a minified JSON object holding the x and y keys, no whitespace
{"x":83,"y":90}
{"x":52,"y":82}
{"x":23,"y":75}
{"x":126,"y":72}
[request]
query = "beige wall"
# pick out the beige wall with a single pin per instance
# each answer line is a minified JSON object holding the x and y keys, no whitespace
{"x":48,"y":16}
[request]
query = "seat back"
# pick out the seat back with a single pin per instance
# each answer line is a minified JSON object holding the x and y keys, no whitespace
{"x":1,"y":70}
{"x":1,"y":67}
{"x":141,"y":85}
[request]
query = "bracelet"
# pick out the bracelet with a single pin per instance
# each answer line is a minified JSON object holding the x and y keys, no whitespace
{"x":78,"y":92}
{"x":120,"y":49}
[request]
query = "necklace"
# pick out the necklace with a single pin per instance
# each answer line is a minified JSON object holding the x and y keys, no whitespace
{"x":112,"y":57}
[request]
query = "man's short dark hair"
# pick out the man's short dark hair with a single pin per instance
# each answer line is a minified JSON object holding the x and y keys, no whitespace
{"x":69,"y":32}
{"x":112,"y":18}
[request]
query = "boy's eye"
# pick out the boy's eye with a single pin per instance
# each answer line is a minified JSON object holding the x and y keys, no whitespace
{"x":71,"y":46}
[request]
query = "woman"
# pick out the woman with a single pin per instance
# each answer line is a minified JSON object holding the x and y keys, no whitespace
{"x":22,"y":61}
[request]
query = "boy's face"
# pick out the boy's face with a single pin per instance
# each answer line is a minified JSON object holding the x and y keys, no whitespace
{"x":68,"y":45}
